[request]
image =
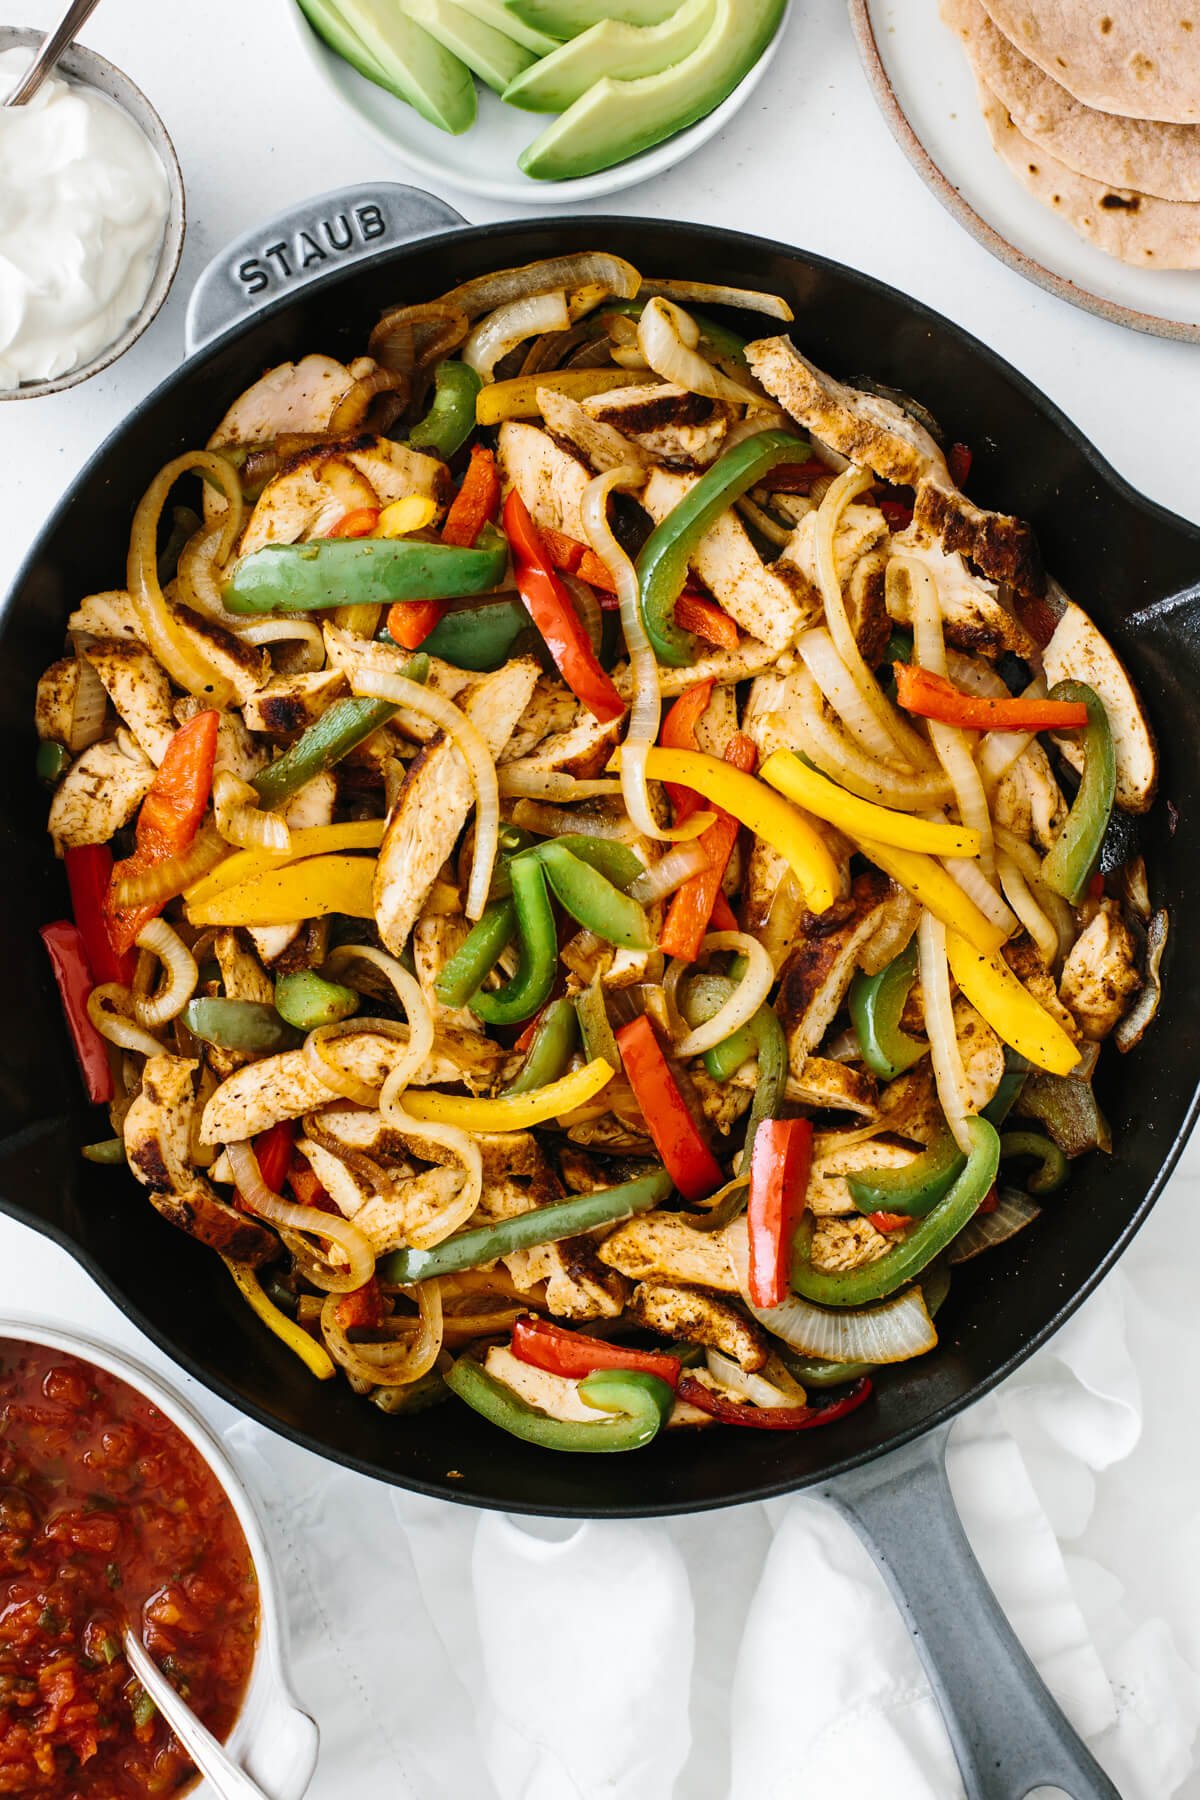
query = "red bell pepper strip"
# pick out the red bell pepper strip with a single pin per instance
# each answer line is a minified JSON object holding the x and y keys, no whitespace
{"x":574,"y":558}
{"x":68,"y":959}
{"x":690,"y":911}
{"x":933,"y":697}
{"x":273,"y":1149}
{"x":409,"y":622}
{"x":573,"y":1354}
{"x":679,"y":733}
{"x":677,"y":1137}
{"x":779,"y":1171}
{"x":169,"y":820}
{"x":549,"y":606}
{"x":771,"y":1418}
{"x":723,"y":916}
{"x":89,"y":873}
{"x":477,"y":500}
{"x":991,"y":1200}
{"x":898,"y":515}
{"x":695,"y":612}
{"x":359,"y":523}
{"x":796,"y":478}
{"x":362,"y":1307}
{"x":889,"y":1221}
{"x":303,"y":1181}
{"x":959,"y":458}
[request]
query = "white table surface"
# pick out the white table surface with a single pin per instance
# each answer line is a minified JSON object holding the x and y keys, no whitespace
{"x":808,"y":160}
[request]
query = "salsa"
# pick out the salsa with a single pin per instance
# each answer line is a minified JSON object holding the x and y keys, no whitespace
{"x":108,"y":1514}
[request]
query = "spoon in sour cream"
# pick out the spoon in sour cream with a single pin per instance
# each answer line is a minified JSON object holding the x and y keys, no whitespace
{"x":52,"y":47}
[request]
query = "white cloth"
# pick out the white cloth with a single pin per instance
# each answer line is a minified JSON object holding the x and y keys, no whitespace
{"x":751,"y":1654}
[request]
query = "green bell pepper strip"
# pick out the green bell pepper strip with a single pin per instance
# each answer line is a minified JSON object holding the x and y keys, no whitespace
{"x":595,"y":1026}
{"x":918,"y":1247}
{"x":716,"y":340}
{"x":724,"y":1060}
{"x":239,"y":1025}
{"x":544,"y":1225}
{"x":53,"y":761}
{"x":478,"y":954}
{"x":916,"y":1188}
{"x":876,"y":1003}
{"x":818,"y":1372}
{"x":530,"y":987}
{"x":1016,"y":1073}
{"x":615,"y":861}
{"x":108,"y":1150}
{"x":417,"y":1396}
{"x":663,"y":564}
{"x":451,"y":418}
{"x":1073,"y":860}
{"x":347,"y":724}
{"x":363,"y":572}
{"x":550,"y":1053}
{"x":639,"y":1405}
{"x":764,"y":1035}
{"x":593,"y":901}
{"x":1051,"y":1172}
{"x":307,"y":1000}
{"x":478,"y":637}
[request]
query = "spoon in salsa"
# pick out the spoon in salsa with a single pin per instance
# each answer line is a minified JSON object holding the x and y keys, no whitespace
{"x":209,"y":1756}
{"x":51,"y":48}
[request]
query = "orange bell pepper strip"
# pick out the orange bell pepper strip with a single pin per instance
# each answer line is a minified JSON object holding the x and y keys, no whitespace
{"x":677,"y":1137}
{"x":549,"y":606}
{"x":574,"y":558}
{"x":723,"y":916}
{"x":691,"y":908}
{"x":359,"y":523}
{"x":169,"y":820}
{"x":933,"y":697}
{"x":477,"y":500}
{"x":362,"y":1307}
{"x":695,"y":612}
{"x":409,"y":622}
{"x":679,"y":733}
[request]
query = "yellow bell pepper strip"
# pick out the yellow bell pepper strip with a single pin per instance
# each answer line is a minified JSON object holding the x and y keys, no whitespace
{"x":817,"y":794}
{"x":313,"y":1355}
{"x":413,"y":513}
{"x":1009,"y":1008}
{"x":300,"y":890}
{"x":928,"y":882}
{"x":518,"y":399}
{"x":758,"y":807}
{"x":313,"y":840}
{"x":511,"y":1112}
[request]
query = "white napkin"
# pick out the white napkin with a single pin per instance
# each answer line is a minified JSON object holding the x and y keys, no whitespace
{"x":750,"y":1654}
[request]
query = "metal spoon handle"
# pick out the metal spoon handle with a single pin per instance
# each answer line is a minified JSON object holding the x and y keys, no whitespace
{"x":53,"y":45}
{"x":210,"y":1757}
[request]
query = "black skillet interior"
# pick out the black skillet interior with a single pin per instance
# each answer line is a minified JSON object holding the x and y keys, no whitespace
{"x":1113,"y":550}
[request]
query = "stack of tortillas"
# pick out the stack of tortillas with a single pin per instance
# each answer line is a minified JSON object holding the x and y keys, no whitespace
{"x":1095,"y":106}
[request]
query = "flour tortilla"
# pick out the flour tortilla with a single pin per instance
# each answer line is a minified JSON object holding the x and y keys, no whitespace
{"x":1140,"y":58}
{"x":1137,"y":228}
{"x":1149,"y":157}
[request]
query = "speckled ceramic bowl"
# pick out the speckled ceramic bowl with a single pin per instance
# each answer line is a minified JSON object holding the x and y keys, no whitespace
{"x":83,"y":66}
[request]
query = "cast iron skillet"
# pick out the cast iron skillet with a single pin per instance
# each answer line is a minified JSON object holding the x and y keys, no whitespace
{"x":1134,"y":566}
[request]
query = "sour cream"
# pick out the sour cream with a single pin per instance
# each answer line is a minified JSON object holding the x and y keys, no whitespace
{"x":83,"y":203}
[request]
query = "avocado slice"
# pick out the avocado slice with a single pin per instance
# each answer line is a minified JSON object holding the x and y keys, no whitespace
{"x":330,"y":26}
{"x":496,"y":59}
{"x":501,"y":18}
{"x":625,"y":52}
{"x":567,"y":18}
{"x":418,"y":68}
{"x":615,"y":120}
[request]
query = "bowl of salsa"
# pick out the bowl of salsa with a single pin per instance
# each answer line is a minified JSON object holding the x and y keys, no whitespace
{"x":117,"y":1506}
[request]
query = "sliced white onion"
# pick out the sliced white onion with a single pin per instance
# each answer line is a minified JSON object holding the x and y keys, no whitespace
{"x":944,"y":1053}
{"x":954,"y":747}
{"x":549,"y":784}
{"x":974,"y":676}
{"x":668,"y":873}
{"x":555,"y":821}
{"x":374,"y":676}
{"x":164,"y":880}
{"x":1014,"y":1211}
{"x":1020,"y":897}
{"x":893,"y":1331}
{"x":240,"y":820}
{"x":162,"y":941}
{"x":833,"y":678}
{"x":413,"y":1002}
{"x":743,"y":1003}
{"x":258,"y":1198}
{"x":1000,"y":749}
{"x":198,"y":580}
{"x":900,"y":734}
{"x":399,"y":1362}
{"x":748,"y":1386}
{"x":510,"y":325}
{"x":338,"y":1080}
{"x":763,"y":523}
{"x":975,"y":884}
{"x":483,"y":293}
{"x":844,"y":761}
{"x":710,"y":293}
{"x":109,"y":1007}
{"x":667,"y":338}
{"x":158,"y":627}
{"x":285,"y":630}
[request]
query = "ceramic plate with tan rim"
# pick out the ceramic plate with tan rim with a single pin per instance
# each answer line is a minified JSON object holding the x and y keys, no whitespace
{"x":483,"y":160}
{"x":923,"y":83}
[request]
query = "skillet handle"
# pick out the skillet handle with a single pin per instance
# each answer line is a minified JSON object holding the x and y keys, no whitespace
{"x":312,"y":239}
{"x":1008,"y":1733}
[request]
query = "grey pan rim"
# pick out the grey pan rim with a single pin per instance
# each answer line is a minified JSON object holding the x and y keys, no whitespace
{"x":92,"y":70}
{"x":940,"y":185}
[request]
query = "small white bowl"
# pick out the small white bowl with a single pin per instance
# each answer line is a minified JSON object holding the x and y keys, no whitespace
{"x":84,"y":67}
{"x":273,"y":1739}
{"x":470,"y":162}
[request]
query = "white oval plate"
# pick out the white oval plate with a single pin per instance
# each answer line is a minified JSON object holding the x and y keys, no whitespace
{"x":500,"y":133}
{"x":922,"y":80}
